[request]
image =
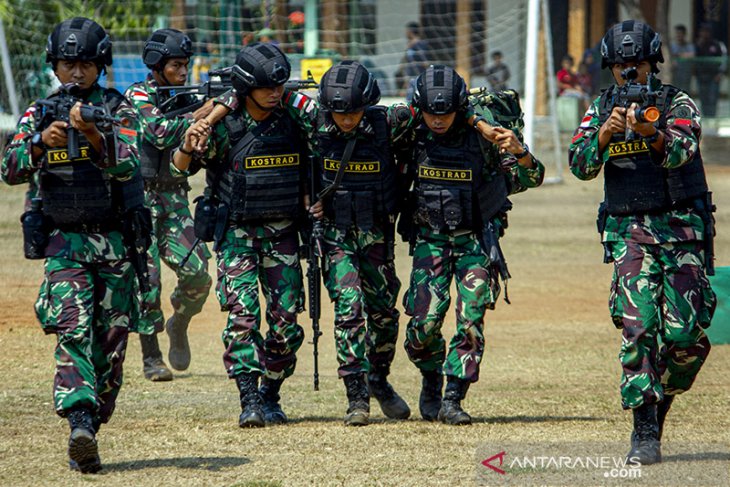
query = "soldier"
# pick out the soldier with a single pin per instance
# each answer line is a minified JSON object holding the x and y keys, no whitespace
{"x":167,"y":53}
{"x":88,"y":202}
{"x":255,"y":168}
{"x":654,"y":221}
{"x":358,"y":232}
{"x":459,"y":210}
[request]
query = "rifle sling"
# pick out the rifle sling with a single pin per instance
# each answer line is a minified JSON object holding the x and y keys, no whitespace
{"x":349,"y":149}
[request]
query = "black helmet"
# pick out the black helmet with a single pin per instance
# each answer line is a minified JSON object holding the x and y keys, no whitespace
{"x":440,"y":90}
{"x":166,"y":44}
{"x":348,"y":87}
{"x":79,"y":39}
{"x":259,"y":65}
{"x":631,"y":40}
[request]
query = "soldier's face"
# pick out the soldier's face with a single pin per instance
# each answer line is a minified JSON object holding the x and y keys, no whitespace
{"x":347,"y":121}
{"x":83,"y":73}
{"x":643,"y":68}
{"x":176,"y":71}
{"x":439,"y":124}
{"x":267,"y":98}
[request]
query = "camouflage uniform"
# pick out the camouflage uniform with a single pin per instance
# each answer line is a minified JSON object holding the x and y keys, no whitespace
{"x":660,"y":296}
{"x":359,"y":270}
{"x":86,"y":298}
{"x":173,"y":234}
{"x":439,"y":257}
{"x":265,"y":252}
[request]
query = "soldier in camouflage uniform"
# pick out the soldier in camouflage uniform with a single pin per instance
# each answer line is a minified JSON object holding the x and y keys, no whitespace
{"x":87,"y":297}
{"x":358,"y":227}
{"x":459,"y":206}
{"x":256,"y":169}
{"x":655,"y":222}
{"x":167,"y":53}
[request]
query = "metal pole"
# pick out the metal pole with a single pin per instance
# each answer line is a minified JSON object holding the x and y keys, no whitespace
{"x":8,"y":73}
{"x":311,"y":34}
{"x":552,"y":90}
{"x":533,"y":26}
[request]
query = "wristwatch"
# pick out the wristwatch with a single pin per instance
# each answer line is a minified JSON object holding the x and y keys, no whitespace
{"x":37,"y":141}
{"x":478,"y":119}
{"x":653,"y":137}
{"x":523,"y":153}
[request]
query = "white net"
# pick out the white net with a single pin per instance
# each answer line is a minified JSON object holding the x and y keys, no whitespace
{"x":459,"y":33}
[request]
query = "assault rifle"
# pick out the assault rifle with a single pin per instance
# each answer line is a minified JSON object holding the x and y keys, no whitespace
{"x":58,"y":108}
{"x":643,"y":95}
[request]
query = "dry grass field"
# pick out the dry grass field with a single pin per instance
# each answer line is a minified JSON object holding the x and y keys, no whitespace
{"x":550,"y":374}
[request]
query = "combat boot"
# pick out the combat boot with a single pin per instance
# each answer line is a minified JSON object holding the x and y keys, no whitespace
{"x":177,"y":331}
{"x":153,"y":366}
{"x":645,"y":447}
{"x":269,"y":390}
{"x":451,"y":412}
{"x":391,"y":403}
{"x":661,"y":413}
{"x":252,"y":415}
{"x":83,"y":452}
{"x":358,"y":411}
{"x":430,"y":401}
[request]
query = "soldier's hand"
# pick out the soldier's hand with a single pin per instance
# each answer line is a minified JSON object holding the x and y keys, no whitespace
{"x":487,"y":131}
{"x":317,"y":210}
{"x":77,"y":122}
{"x":645,"y":129}
{"x":55,"y":135}
{"x":507,"y":141}
{"x":196,"y":136}
{"x":616,"y":122}
{"x":203,"y":111}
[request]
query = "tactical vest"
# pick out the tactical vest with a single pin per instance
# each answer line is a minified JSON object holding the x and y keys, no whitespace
{"x":155,"y":163}
{"x":634,"y":180}
{"x":262,"y":180}
{"x":454,"y":187}
{"x":77,"y":193}
{"x":366,"y":194}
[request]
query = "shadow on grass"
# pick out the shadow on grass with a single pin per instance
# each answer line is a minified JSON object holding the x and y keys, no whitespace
{"x":211,"y":464}
{"x":697,"y":457}
{"x":533,"y":419}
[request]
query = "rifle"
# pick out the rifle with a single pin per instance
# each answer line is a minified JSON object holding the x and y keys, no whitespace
{"x":137,"y":237}
{"x":643,"y":95}
{"x":59,"y":106}
{"x":218,"y":83}
{"x":302,"y":84}
{"x":706,"y":208}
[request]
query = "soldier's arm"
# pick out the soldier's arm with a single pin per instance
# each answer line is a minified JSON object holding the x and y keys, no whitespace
{"x":585,"y":157}
{"x":127,"y":156}
{"x":304,"y":110}
{"x":156,"y":129}
{"x":18,"y":163}
{"x":402,"y":119}
{"x":681,"y":137}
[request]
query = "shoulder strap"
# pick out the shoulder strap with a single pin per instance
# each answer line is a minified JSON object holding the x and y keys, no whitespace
{"x":349,"y":148}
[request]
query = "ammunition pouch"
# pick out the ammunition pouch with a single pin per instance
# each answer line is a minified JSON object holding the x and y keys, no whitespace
{"x":36,"y":229}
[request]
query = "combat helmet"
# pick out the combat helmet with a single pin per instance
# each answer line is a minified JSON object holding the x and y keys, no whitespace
{"x":79,"y":39}
{"x":166,"y":44}
{"x":440,"y":90}
{"x":631,"y":41}
{"x":348,"y":87}
{"x":259,"y":65}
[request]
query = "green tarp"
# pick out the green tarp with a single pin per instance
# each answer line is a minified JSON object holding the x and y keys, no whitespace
{"x":719,"y":331}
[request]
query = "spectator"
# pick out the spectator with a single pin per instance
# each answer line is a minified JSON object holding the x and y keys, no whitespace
{"x":585,"y":80}
{"x":710,"y":66}
{"x":593,"y":69}
{"x":414,"y":60}
{"x":683,"y":52}
{"x":569,"y":84}
{"x":497,"y":73}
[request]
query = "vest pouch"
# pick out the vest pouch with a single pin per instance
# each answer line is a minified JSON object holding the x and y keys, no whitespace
{"x":364,"y":210}
{"x":206,"y":209}
{"x":451,"y":207}
{"x":35,"y":231}
{"x":342,"y":206}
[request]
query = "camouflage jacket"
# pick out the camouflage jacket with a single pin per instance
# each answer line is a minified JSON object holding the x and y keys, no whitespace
{"x":18,"y":167}
{"x":681,"y":142}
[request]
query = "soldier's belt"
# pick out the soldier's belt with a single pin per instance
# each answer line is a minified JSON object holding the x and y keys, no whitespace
{"x":102,"y":227}
{"x":153,"y":185}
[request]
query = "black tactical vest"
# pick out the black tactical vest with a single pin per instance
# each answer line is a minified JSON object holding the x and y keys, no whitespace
{"x":75,"y":192}
{"x":634,"y":180}
{"x":155,"y":163}
{"x":262,"y":180}
{"x":366,"y":194}
{"x":455,"y":188}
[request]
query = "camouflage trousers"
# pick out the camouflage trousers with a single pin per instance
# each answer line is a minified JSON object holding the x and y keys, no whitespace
{"x":172,"y":238}
{"x":361,"y":280}
{"x":90,"y":308}
{"x":661,"y":300}
{"x":437,"y":258}
{"x":273,"y":262}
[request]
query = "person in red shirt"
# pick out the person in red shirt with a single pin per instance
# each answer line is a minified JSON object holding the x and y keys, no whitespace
{"x":569,"y":82}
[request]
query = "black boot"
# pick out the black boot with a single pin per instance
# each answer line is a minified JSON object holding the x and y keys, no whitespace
{"x":391,"y":403}
{"x":252,"y":415}
{"x":430,"y":401}
{"x":83,"y":452}
{"x":451,"y":412}
{"x":645,"y":447}
{"x":177,"y":331}
{"x":661,"y":413}
{"x":153,"y":366}
{"x":358,"y":411}
{"x":269,"y":391}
